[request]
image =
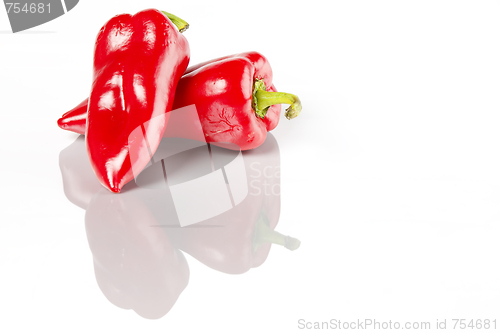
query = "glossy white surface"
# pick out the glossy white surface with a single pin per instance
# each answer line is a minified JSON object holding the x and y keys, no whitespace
{"x":389,"y":177}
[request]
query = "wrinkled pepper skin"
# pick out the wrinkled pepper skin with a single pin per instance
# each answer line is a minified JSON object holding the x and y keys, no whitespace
{"x":138,"y":61}
{"x":222,"y":91}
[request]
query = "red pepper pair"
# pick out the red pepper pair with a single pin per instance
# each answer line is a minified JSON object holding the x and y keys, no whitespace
{"x":234,"y":96}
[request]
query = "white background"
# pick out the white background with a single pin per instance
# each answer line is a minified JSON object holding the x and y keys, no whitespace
{"x":390,"y":176}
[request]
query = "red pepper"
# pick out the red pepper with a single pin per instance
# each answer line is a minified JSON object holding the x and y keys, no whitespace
{"x":234,"y":96}
{"x":138,"y":60}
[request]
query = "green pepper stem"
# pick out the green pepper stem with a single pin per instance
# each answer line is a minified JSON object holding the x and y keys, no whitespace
{"x":263,"y":234}
{"x":263,"y":99}
{"x":179,"y":23}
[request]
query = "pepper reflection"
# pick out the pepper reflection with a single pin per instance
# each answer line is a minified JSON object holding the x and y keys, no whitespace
{"x":218,"y":205}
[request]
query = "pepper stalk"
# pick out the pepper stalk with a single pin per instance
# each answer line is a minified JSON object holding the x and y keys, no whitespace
{"x":179,"y":23}
{"x":263,"y":99}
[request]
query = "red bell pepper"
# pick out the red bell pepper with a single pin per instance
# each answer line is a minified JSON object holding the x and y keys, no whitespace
{"x":138,"y":60}
{"x":234,"y":96}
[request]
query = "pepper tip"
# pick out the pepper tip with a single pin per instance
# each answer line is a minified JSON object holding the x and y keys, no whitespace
{"x":61,"y":123}
{"x":115,"y":189}
{"x":112,"y":187}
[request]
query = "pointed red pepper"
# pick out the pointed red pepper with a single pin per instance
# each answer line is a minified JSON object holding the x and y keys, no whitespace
{"x":138,"y":60}
{"x":234,"y":96}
